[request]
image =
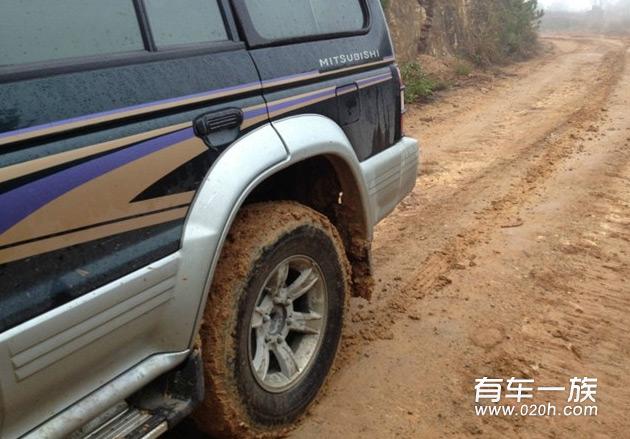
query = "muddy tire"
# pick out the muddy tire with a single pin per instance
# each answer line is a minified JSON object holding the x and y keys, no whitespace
{"x":273,"y":320}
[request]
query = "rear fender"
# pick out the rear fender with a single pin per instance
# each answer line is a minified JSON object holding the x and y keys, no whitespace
{"x":239,"y":170}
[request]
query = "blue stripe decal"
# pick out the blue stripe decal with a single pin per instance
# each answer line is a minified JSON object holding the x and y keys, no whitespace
{"x":24,"y":200}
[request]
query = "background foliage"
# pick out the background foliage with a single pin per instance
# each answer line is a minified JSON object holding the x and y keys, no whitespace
{"x":503,"y":30}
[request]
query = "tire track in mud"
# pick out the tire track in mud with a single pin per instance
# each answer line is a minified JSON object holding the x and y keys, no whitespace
{"x":556,"y":146}
{"x":533,"y":164}
{"x":575,"y":319}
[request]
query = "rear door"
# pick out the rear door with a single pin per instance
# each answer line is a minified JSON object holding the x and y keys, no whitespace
{"x":99,"y":163}
{"x":329,"y":57}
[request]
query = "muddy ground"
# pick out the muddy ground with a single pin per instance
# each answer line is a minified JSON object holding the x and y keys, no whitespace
{"x":511,"y":258}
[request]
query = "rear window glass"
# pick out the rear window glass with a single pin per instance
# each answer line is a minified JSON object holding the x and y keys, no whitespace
{"x":283,"y":19}
{"x":177,"y":22}
{"x":44,"y":30}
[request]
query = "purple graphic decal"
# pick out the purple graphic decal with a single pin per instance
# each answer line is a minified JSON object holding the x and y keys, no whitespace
{"x":19,"y":203}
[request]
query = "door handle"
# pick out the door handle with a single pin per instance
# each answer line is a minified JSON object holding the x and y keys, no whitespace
{"x":219,"y":128}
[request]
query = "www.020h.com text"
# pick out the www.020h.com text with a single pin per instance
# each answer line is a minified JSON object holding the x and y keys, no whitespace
{"x":536,"y":410}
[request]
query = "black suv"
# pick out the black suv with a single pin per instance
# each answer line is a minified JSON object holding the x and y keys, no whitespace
{"x":188,"y":190}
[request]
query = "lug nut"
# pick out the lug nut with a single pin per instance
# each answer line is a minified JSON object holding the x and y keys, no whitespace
{"x":289,"y":322}
{"x":279,"y":339}
{"x":266,"y":318}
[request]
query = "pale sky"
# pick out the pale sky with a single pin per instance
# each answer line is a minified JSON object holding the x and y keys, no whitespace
{"x":572,"y":5}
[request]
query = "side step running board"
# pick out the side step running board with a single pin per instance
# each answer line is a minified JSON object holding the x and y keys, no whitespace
{"x":125,"y":422}
{"x":154,"y":409}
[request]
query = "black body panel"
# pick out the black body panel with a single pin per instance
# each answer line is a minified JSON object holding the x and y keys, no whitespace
{"x":296,"y":68}
{"x":35,"y":285}
{"x":58,"y":274}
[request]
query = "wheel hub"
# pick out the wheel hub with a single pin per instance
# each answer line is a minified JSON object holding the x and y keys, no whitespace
{"x":287,"y":324}
{"x":278,"y":320}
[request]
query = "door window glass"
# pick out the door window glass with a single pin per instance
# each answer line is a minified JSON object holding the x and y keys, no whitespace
{"x":177,"y":22}
{"x":285,"y":19}
{"x":44,"y":30}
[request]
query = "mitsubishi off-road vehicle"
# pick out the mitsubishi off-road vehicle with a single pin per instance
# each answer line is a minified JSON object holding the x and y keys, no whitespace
{"x":188,"y":190}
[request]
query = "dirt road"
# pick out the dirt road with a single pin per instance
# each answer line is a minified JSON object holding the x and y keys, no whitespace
{"x":510,"y":259}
